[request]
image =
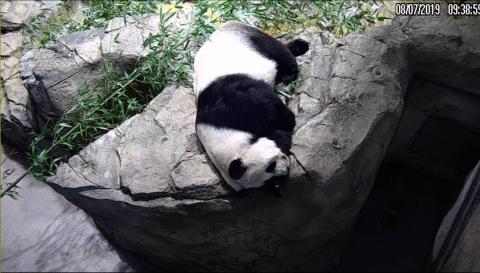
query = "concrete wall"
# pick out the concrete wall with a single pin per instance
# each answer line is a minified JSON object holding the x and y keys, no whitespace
{"x":439,"y":131}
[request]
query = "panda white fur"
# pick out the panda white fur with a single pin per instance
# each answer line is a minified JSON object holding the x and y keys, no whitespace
{"x":243,"y":125}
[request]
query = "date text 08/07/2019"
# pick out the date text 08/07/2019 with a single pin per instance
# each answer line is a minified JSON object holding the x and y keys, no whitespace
{"x":434,"y":9}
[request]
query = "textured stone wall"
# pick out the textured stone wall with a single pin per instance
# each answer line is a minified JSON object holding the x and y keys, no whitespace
{"x":439,"y":130}
{"x":17,"y":113}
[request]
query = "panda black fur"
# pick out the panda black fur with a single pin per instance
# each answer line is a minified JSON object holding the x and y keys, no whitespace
{"x":243,"y":125}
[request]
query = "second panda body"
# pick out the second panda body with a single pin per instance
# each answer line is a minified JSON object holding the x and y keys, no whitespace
{"x":243,"y":125}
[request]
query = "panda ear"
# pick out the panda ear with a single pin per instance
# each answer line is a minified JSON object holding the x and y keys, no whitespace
{"x":236,"y":169}
{"x":298,"y":47}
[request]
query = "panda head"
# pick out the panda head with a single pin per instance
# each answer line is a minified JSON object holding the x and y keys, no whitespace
{"x":259,"y":163}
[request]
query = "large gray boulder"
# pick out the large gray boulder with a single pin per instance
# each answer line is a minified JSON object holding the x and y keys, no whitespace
{"x":41,"y":223}
{"x":18,"y":14}
{"x":55,"y":75}
{"x":149,"y":186}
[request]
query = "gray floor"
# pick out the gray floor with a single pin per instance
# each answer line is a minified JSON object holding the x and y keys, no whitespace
{"x":42,"y":231}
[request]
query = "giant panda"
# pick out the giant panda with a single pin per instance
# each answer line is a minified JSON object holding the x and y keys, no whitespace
{"x":242,"y":124}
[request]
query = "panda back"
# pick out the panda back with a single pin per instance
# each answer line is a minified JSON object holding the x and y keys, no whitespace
{"x":245,"y":104}
{"x":229,"y":51}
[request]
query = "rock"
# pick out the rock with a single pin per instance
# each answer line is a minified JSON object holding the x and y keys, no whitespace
{"x":17,"y":120}
{"x":55,"y":74}
{"x":5,"y":7}
{"x":314,"y":65}
{"x":454,"y":55}
{"x":124,"y":37}
{"x":122,"y":156}
{"x":174,"y":144}
{"x":17,"y":14}
{"x":41,"y":223}
{"x":18,"y":124}
{"x":77,"y":7}
{"x":10,"y":43}
{"x":16,"y":111}
{"x":148,"y":185}
{"x":10,"y":68}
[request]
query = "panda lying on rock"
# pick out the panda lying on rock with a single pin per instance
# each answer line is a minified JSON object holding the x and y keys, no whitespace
{"x":243,"y":125}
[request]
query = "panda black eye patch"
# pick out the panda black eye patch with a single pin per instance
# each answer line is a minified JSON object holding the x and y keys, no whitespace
{"x":271,"y":167}
{"x":236,"y":169}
